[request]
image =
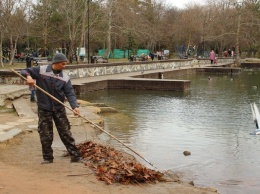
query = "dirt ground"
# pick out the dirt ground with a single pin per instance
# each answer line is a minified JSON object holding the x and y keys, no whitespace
{"x":21,"y":170}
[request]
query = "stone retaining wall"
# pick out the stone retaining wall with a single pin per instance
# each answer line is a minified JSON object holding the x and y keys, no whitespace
{"x":83,"y":71}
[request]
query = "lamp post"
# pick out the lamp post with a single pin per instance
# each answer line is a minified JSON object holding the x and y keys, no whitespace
{"x":88,"y":30}
{"x":239,"y":6}
{"x":128,"y":35}
{"x":203,"y":43}
{"x":27,"y":30}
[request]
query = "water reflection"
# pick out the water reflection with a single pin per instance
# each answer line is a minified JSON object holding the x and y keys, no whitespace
{"x":212,"y":121}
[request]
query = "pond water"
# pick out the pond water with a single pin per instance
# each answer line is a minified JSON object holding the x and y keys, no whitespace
{"x":212,"y":121}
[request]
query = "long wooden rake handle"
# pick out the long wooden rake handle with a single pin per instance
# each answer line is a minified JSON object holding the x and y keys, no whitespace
{"x":52,"y":97}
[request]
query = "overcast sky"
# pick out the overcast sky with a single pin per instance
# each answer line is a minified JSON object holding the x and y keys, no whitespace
{"x":181,"y":3}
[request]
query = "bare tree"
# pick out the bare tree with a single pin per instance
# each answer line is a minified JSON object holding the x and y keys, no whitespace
{"x":1,"y":34}
{"x":130,"y":24}
{"x":74,"y":15}
{"x":14,"y":22}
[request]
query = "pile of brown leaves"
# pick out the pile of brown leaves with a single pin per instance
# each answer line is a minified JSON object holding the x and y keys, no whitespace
{"x":113,"y":166}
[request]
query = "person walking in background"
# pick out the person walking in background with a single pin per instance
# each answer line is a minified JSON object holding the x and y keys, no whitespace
{"x":28,"y":60}
{"x":215,"y":61}
{"x":143,"y":57}
{"x":229,"y":52}
{"x":212,"y":56}
{"x":32,"y":89}
{"x":57,"y":83}
{"x":225,"y":53}
{"x":151,"y":55}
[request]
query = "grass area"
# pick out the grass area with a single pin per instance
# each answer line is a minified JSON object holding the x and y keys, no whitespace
{"x":117,"y":60}
{"x":14,"y":66}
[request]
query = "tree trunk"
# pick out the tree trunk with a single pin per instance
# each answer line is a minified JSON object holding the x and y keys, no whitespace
{"x":45,"y":31}
{"x":70,"y":54}
{"x":238,"y":59}
{"x":83,"y":31}
{"x":1,"y":50}
{"x":12,"y":48}
{"x":108,"y":49}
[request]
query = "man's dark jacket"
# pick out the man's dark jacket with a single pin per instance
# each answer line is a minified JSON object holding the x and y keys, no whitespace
{"x":58,"y":85}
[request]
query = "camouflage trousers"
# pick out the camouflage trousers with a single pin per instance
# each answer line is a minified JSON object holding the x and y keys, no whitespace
{"x":45,"y":129}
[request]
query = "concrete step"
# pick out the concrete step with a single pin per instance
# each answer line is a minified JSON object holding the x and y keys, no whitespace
{"x":4,"y":127}
{"x":10,"y":92}
{"x":9,"y":134}
{"x":23,"y":108}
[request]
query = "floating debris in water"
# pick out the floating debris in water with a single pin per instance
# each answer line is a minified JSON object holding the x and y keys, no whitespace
{"x":186,"y":153}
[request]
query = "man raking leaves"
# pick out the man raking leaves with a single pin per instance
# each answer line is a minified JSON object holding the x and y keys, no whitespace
{"x":53,"y":80}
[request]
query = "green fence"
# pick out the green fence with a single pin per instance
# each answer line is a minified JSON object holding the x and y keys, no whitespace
{"x":119,"y":54}
{"x":130,"y":52}
{"x":101,"y":52}
{"x":143,"y":51}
